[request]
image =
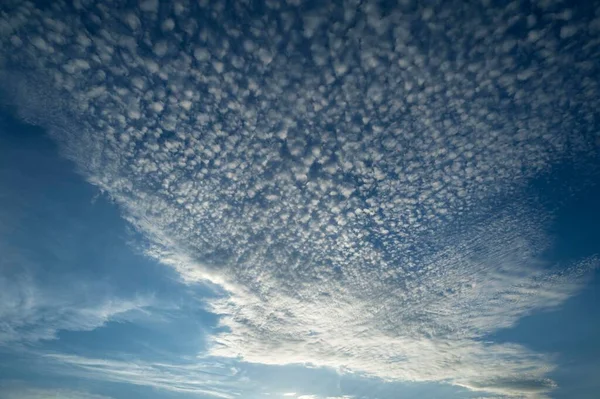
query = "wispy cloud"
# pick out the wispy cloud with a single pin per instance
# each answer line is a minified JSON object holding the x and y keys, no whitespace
{"x":31,"y":312}
{"x":35,"y":306}
{"x":339,"y":173}
{"x":208,"y":377}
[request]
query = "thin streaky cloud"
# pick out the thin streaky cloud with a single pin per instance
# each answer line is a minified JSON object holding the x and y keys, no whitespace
{"x":212,"y":378}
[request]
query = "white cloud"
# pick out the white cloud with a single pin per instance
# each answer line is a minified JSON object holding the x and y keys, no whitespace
{"x":36,"y":305}
{"x":367,"y":236}
{"x":32,"y":312}
{"x":431,"y":327}
{"x":206,"y":378}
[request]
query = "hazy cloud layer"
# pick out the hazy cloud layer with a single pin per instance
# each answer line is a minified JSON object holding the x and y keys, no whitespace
{"x":350,"y":174}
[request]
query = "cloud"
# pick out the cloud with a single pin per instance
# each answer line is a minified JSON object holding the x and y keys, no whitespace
{"x":359,"y":195}
{"x":40,"y":292}
{"x":206,"y":378}
{"x":530,"y":387}
{"x":52,"y":257}
{"x":32,"y":312}
{"x":431,"y":329}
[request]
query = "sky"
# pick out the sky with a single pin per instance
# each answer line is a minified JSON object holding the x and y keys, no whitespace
{"x":299,"y":199}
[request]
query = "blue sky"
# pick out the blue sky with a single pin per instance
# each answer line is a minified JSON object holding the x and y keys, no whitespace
{"x":302,"y":200}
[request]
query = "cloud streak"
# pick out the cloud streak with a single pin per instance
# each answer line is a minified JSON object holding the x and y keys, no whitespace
{"x":31,"y":312}
{"x":351,"y":176}
{"x":209,"y":378}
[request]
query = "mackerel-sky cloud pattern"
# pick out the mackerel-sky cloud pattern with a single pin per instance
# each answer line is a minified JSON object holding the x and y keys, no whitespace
{"x":351,"y":175}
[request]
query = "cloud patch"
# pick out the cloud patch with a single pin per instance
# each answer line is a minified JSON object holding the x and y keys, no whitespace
{"x":208,"y":378}
{"x":31,"y":312}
